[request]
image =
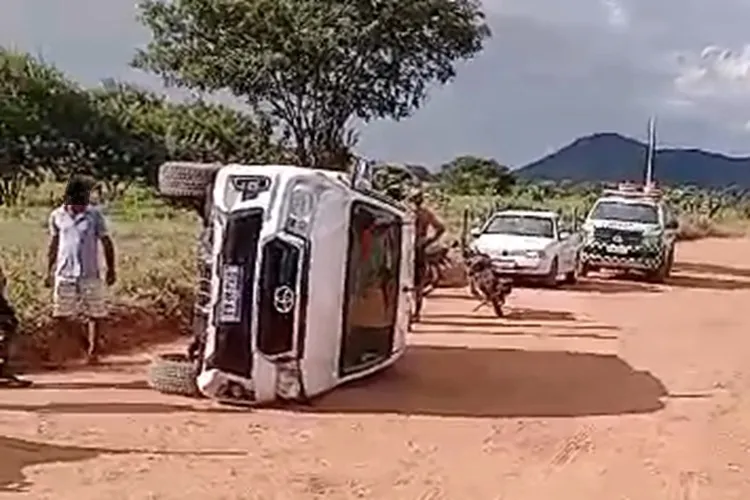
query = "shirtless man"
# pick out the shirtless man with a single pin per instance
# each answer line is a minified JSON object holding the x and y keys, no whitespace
{"x":425,"y":220}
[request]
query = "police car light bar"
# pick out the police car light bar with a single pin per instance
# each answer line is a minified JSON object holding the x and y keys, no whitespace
{"x":630,"y":190}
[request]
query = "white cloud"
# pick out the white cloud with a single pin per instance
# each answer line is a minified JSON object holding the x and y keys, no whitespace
{"x":716,"y":72}
{"x":617,"y":17}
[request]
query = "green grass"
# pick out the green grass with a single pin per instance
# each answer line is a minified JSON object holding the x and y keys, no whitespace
{"x":155,"y":247}
{"x":154,"y":243}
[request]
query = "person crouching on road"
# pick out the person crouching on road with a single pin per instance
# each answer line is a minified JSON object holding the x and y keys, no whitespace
{"x":76,"y":228}
{"x":8,"y":328}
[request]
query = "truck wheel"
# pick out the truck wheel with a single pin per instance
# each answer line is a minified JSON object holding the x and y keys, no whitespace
{"x":186,"y":179}
{"x":571,"y":278}
{"x":173,"y":374}
{"x":660,"y":274}
{"x":670,"y":262}
{"x":551,"y":279}
{"x":583,"y":269}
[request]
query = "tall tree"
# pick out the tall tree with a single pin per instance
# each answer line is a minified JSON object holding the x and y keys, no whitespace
{"x":469,"y":175}
{"x":42,"y":115}
{"x":313,"y":65}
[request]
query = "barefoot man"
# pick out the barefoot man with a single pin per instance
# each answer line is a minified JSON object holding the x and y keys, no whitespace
{"x":76,"y":228}
{"x":426,"y":220}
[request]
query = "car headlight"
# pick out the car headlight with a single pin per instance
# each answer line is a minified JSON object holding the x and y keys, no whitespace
{"x":300,"y":210}
{"x":535,"y":254}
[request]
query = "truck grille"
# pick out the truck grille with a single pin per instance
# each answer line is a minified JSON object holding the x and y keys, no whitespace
{"x":278,"y":297}
{"x":618,"y":236}
{"x":233,"y":343}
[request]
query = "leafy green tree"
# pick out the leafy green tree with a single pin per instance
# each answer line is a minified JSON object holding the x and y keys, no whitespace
{"x":137,"y":130}
{"x":470,"y":175}
{"x":313,"y":65}
{"x":41,"y":117}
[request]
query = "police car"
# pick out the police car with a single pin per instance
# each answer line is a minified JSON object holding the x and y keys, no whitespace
{"x":630,"y":229}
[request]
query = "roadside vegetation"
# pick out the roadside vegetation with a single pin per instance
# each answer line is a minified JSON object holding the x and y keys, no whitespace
{"x":301,"y":92}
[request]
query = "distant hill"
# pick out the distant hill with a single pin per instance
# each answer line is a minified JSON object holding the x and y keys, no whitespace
{"x":612,"y":158}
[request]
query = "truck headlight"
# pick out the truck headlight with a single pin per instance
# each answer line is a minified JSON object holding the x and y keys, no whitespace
{"x":652,"y":240}
{"x":300,"y":210}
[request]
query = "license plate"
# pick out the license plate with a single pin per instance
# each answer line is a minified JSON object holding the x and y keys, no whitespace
{"x":617,"y":249}
{"x":230,"y":303}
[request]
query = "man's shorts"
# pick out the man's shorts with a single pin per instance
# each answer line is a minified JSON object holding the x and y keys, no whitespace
{"x":79,"y":298}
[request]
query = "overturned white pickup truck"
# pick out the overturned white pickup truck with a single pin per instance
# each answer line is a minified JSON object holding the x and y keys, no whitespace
{"x":310,"y":275}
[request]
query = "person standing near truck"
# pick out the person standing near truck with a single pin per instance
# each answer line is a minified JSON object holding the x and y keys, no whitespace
{"x":8,"y":329}
{"x":76,"y":229}
{"x":425,"y":221}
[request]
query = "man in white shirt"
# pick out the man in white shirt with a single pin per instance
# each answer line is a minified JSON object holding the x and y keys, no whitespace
{"x":76,"y":229}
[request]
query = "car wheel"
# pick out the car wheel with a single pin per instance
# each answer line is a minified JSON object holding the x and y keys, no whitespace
{"x":571,"y":278}
{"x":551,"y":279}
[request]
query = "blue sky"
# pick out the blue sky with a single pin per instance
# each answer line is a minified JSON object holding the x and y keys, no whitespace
{"x":553,"y":71}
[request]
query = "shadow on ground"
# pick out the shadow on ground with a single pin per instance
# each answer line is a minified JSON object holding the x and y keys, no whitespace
{"x":460,"y":382}
{"x":705,"y":268}
{"x":613,"y":285}
{"x":92,"y":408}
{"x":18,"y":454}
{"x":707,"y":282}
{"x":698,"y":276}
{"x":67,"y":386}
{"x":513,"y":313}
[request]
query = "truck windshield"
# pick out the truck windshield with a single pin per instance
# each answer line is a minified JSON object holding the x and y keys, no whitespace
{"x":521,"y":225}
{"x":627,"y":212}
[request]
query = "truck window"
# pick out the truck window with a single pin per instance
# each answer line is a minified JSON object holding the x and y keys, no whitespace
{"x":371,"y":291}
{"x":645,"y":213}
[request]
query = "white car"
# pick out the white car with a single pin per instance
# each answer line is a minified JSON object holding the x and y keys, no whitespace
{"x":310,"y":285}
{"x":529,"y":244}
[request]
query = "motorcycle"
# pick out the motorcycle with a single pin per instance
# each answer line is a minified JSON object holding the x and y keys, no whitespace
{"x":486,"y":282}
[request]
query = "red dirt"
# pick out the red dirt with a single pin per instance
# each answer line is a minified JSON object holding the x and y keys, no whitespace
{"x":653,"y":404}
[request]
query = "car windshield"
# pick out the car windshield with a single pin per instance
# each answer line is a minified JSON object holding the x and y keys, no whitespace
{"x":521,"y":225}
{"x":626,"y":212}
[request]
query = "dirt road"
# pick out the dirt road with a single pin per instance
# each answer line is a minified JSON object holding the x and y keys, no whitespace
{"x":654,"y":404}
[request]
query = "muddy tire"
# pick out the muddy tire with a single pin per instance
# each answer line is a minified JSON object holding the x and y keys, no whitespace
{"x":583,"y":270}
{"x":186,"y":179}
{"x":173,"y":374}
{"x":661,"y":274}
{"x":550,"y":281}
{"x":571,"y":278}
